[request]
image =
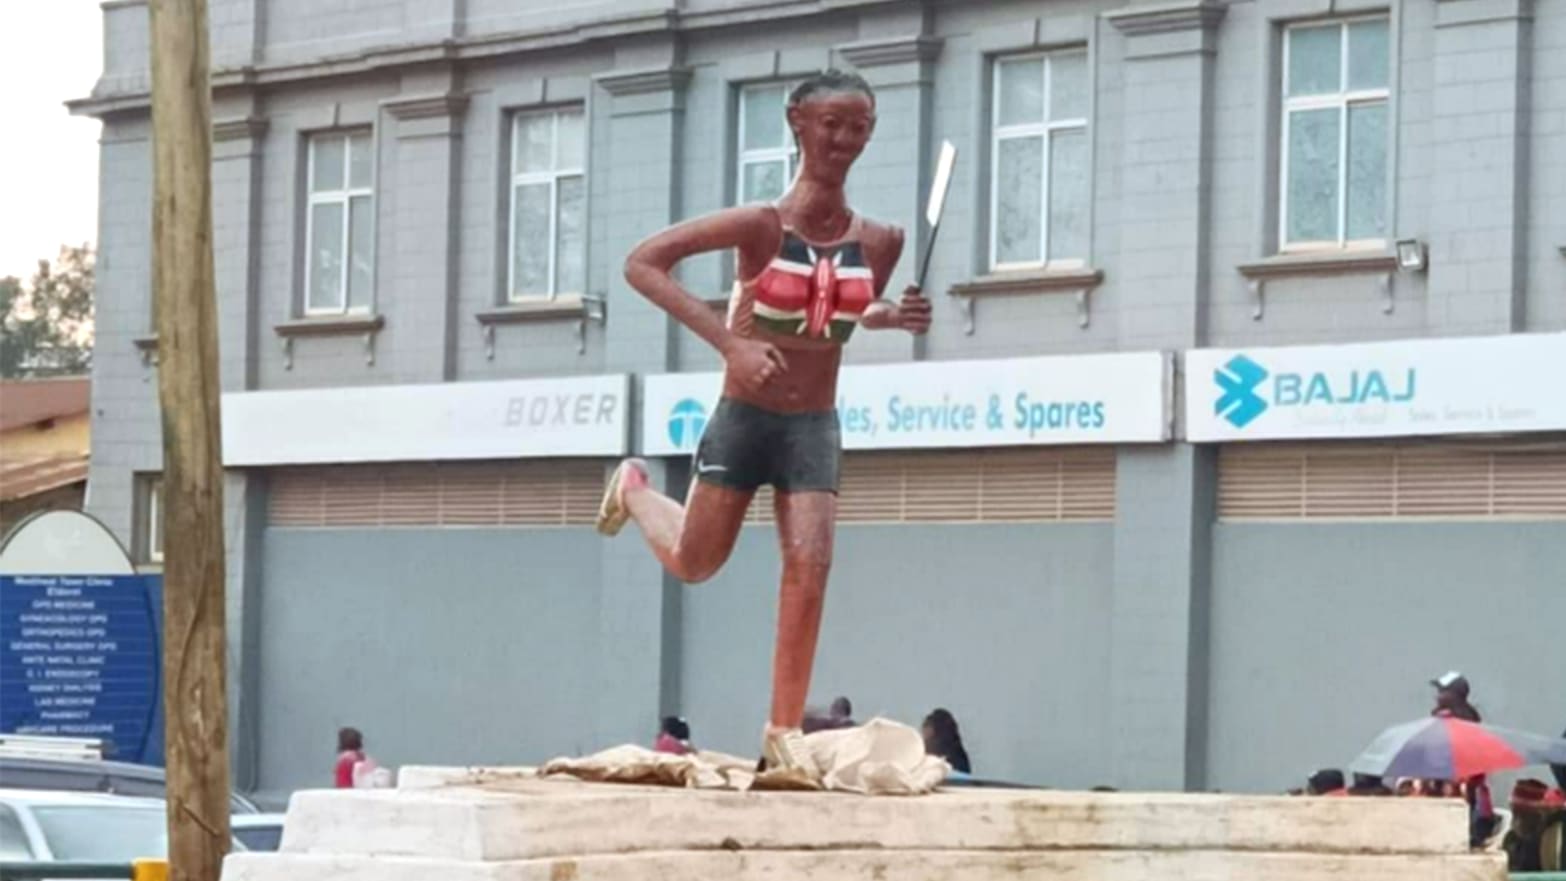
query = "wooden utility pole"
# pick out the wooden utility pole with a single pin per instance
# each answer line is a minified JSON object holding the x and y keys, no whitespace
{"x":195,"y":707}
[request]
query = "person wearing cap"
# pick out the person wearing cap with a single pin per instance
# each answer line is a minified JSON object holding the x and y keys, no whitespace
{"x":1452,"y":690}
{"x":1452,"y":697}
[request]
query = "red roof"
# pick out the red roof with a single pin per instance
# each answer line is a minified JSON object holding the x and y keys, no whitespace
{"x":26,"y":402}
{"x":31,"y":475}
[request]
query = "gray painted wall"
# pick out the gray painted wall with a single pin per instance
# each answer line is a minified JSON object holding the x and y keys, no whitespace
{"x":1323,"y":634}
{"x":1184,"y":131}
{"x":1006,"y":626}
{"x":444,"y":646}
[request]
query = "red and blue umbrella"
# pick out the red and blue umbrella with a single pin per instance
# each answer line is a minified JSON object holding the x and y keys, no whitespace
{"x":1446,"y":748}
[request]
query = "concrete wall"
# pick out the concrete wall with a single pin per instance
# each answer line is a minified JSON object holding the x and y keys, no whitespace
{"x":126,"y":432}
{"x":1006,"y":626}
{"x":447,"y":646}
{"x":1324,"y":634}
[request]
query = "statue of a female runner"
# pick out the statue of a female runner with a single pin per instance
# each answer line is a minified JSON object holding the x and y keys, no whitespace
{"x":810,"y":271}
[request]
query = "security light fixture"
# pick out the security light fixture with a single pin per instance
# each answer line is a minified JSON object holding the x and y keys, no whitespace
{"x":1411,"y":255}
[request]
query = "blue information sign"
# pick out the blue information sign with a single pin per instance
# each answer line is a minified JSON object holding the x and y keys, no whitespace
{"x":79,"y":657}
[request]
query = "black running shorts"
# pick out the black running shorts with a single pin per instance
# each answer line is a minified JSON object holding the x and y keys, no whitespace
{"x":744,"y":447}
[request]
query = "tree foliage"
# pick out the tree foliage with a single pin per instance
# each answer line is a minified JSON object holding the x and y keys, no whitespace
{"x":46,"y":324}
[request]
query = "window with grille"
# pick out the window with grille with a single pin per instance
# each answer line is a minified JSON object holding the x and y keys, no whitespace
{"x":1016,"y":485}
{"x":1374,"y":481}
{"x":562,"y":492}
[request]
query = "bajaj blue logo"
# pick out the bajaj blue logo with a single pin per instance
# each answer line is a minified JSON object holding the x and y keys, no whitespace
{"x":1244,"y":392}
{"x":1238,"y":401}
{"x":686,"y":421}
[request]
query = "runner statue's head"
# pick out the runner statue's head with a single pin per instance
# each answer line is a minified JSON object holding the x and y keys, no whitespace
{"x":832,"y":115}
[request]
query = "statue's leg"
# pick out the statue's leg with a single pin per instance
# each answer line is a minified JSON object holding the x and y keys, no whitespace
{"x":691,"y":541}
{"x":806,"y":522}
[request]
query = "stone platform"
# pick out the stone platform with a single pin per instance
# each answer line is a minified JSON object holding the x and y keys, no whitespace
{"x":495,"y":825}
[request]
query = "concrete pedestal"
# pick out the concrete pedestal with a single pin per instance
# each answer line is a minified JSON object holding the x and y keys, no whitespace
{"x":454,"y":825}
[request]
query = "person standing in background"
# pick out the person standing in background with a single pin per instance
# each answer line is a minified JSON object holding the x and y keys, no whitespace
{"x":839,"y":715}
{"x":1452,"y":691}
{"x":943,"y":739}
{"x":1452,"y":697}
{"x":674,"y":737}
{"x":350,"y":752}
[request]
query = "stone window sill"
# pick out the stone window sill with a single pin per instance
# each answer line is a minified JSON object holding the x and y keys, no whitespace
{"x":578,"y":307}
{"x":1318,"y":264}
{"x":533,"y":310}
{"x":1080,"y":279}
{"x":334,"y":325}
{"x":1309,"y":263}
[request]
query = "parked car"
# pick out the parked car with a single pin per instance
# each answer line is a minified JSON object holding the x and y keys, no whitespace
{"x":34,"y":772}
{"x":258,"y":831}
{"x":85,"y":827}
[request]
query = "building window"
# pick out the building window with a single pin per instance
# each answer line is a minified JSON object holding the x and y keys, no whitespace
{"x":340,"y":227}
{"x":1039,"y":156}
{"x":149,"y":516}
{"x":1334,"y":180}
{"x":548,"y":204}
{"x":768,"y":156}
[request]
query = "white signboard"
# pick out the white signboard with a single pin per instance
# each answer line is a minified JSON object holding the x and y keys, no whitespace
{"x":574,"y":416}
{"x":1413,"y":387}
{"x":1075,"y":399}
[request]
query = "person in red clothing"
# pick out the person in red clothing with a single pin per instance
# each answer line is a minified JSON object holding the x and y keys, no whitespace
{"x":674,"y":737}
{"x":350,"y":752}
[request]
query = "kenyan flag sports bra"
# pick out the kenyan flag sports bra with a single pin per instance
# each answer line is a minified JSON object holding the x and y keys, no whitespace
{"x":814,"y":291}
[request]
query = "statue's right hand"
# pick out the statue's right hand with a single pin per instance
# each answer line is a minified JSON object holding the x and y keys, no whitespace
{"x":754,"y":363}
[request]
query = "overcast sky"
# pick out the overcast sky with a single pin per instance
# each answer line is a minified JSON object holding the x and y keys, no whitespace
{"x":50,"y":50}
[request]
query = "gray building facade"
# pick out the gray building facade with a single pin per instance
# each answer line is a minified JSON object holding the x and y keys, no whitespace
{"x":441,"y":192}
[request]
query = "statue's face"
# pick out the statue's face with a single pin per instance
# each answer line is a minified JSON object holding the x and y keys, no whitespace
{"x":832,"y":129}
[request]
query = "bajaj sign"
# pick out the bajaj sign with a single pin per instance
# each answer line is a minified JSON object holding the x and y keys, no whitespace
{"x":1455,"y":386}
{"x":1246,"y":390}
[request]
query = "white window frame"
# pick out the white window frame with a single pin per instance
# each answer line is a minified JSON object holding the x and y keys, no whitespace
{"x":1342,"y":100}
{"x":344,"y":197}
{"x":1043,"y":130}
{"x":743,"y":158}
{"x":552,"y":177}
{"x":151,"y":506}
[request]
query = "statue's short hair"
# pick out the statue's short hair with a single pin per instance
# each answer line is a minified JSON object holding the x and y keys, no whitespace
{"x":829,"y":81}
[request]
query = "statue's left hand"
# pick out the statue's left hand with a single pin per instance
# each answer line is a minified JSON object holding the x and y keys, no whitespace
{"x":913,"y":311}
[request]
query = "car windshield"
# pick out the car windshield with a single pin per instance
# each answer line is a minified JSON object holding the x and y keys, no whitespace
{"x":103,"y":833}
